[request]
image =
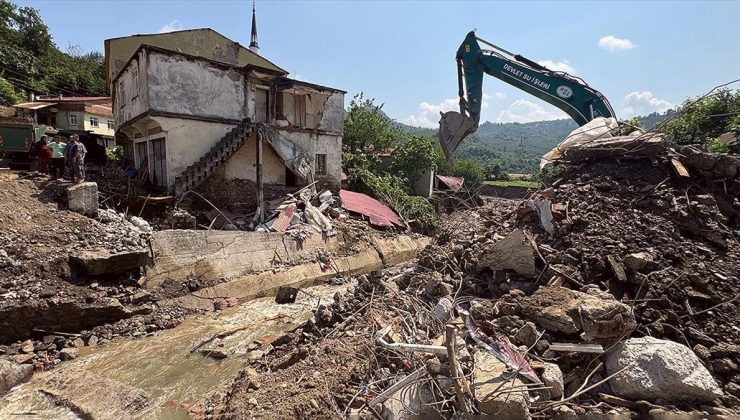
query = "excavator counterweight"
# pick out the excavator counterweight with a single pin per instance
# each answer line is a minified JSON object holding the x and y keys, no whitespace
{"x":560,"y":89}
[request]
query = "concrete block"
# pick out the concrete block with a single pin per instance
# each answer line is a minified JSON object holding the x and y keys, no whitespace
{"x":102,"y":261}
{"x":83,"y":198}
{"x":499,"y":392}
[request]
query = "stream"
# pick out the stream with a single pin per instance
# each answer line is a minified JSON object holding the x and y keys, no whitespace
{"x":158,"y":376}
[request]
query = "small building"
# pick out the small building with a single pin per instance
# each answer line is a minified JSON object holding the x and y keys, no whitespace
{"x":190,"y":105}
{"x":82,"y":115}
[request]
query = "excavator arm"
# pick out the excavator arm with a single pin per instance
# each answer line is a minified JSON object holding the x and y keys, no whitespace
{"x":569,"y":93}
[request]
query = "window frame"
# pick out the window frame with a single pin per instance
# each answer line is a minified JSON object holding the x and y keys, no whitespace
{"x":111,"y":125}
{"x":72,"y":119}
{"x":320,"y":164}
{"x":94,"y":122}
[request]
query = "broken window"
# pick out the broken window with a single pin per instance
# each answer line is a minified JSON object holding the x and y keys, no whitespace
{"x":261,"y":105}
{"x":159,"y":163}
{"x":320,"y":164}
{"x":122,"y":94}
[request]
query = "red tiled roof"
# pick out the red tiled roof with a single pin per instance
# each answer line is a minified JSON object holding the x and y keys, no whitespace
{"x":378,"y":213}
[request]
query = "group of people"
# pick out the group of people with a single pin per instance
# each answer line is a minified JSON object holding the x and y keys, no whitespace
{"x":62,"y":159}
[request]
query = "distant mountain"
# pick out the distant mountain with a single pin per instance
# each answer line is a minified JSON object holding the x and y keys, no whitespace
{"x":518,"y":146}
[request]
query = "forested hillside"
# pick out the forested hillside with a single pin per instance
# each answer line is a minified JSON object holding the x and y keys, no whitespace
{"x":517,"y":147}
{"x":30,"y":61}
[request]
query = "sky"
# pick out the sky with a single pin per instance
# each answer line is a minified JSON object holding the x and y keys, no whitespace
{"x":643,"y":56}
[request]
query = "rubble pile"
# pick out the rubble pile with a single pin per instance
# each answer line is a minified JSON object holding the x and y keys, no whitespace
{"x":49,"y":287}
{"x":614,"y":291}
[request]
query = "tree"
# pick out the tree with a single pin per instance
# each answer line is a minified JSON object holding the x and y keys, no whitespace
{"x":367,"y":128}
{"x":413,"y":157}
{"x":629,"y":126}
{"x":8,"y":95}
{"x":698,"y":120}
{"x":471,"y":170}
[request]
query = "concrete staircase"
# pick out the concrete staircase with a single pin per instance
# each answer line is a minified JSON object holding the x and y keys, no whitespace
{"x":229,"y":144}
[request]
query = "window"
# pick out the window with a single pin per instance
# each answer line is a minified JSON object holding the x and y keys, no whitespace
{"x":262,"y":103}
{"x":159,"y":163}
{"x":93,"y":121}
{"x":111,"y":125}
{"x":122,"y":94}
{"x":135,"y":92}
{"x":320,"y":164}
{"x":72,"y":119}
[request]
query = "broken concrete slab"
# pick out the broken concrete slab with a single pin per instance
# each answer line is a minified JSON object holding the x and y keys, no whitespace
{"x":515,"y":252}
{"x":646,"y":145}
{"x":12,"y":374}
{"x":552,"y":377}
{"x":596,"y":314}
{"x":103,"y":261}
{"x":659,"y":369}
{"x":83,"y":198}
{"x":498,"y":392}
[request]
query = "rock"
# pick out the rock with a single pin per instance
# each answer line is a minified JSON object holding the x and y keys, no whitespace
{"x":83,"y":198}
{"x":659,"y":369}
{"x":527,"y":335}
{"x":638,"y":260}
{"x":78,"y":342}
{"x":92,"y":341}
{"x":596,"y":314}
{"x":27,"y":346}
{"x":515,"y":252}
{"x":723,"y":349}
{"x":140,"y":297}
{"x":552,"y":377}
{"x":443,"y":309}
{"x":494,"y":389}
{"x":255,"y":355}
{"x":723,"y":366}
{"x":12,"y":374}
{"x":23,"y":358}
{"x":69,"y":353}
{"x":701,"y":351}
{"x":214,"y":353}
{"x":103,"y":261}
{"x":141,"y":224}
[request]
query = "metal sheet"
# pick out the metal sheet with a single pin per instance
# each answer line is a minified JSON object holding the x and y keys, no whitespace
{"x":454,"y":183}
{"x":378,"y":213}
{"x":34,"y":105}
{"x":283,"y":220}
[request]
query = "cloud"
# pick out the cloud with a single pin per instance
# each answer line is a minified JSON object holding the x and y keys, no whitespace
{"x":643,"y":103}
{"x":171,"y":27}
{"x":523,"y":110}
{"x":428,"y":115}
{"x":612,"y":43}
{"x":562,"y":65}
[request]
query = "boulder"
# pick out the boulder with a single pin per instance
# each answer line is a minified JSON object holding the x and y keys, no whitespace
{"x":12,"y":374}
{"x":83,"y":198}
{"x":499,"y":392}
{"x":596,"y":314}
{"x":515,"y":252}
{"x":659,"y":369}
{"x":639,"y":260}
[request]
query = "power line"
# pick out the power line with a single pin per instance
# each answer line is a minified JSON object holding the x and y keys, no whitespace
{"x":75,"y":91}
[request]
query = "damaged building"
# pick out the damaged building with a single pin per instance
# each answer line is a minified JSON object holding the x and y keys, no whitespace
{"x":190,"y":107}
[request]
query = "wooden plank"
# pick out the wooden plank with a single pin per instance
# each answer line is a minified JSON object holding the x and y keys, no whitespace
{"x":680,"y":170}
{"x":576,"y":347}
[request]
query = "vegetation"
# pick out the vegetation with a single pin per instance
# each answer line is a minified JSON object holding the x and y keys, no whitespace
{"x":31,"y":62}
{"x":699,"y":120}
{"x":629,"y":126}
{"x":717,"y":146}
{"x":368,"y":134}
{"x":515,"y":183}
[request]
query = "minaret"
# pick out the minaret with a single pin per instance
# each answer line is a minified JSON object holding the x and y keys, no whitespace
{"x":253,"y":42}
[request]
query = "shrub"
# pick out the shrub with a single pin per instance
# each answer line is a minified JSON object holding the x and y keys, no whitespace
{"x":716,"y":146}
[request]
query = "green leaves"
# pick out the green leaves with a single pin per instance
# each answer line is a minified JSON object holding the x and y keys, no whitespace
{"x":701,"y":119}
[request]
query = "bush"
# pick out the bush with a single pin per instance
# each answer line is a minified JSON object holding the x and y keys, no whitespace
{"x":716,"y":146}
{"x":8,"y":95}
{"x":390,"y":189}
{"x":700,"y":120}
{"x":114,"y":154}
{"x":413,"y":157}
{"x":471,"y":170}
{"x":630,"y":126}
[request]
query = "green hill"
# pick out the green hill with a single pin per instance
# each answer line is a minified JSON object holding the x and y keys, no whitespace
{"x":517,"y":147}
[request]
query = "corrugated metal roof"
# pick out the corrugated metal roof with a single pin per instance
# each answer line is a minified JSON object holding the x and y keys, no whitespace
{"x":283,"y":220}
{"x":378,"y":213}
{"x":35,"y":105}
{"x":454,"y":183}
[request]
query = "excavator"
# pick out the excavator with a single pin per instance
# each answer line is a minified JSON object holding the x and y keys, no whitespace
{"x":569,"y":93}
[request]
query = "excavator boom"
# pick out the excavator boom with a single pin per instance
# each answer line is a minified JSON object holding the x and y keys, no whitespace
{"x":569,"y":93}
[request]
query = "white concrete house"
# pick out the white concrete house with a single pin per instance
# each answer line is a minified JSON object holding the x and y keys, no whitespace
{"x":191,"y":120}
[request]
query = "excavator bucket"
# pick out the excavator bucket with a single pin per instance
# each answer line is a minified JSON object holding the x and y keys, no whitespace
{"x":453,"y":128}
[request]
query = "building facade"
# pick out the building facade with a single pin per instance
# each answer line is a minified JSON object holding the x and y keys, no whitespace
{"x":190,"y":120}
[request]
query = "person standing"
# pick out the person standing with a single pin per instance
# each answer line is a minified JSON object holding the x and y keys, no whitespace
{"x":43,"y":153}
{"x":77,"y":156}
{"x":57,"y":158}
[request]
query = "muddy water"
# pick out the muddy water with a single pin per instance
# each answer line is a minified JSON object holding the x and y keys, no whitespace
{"x":104,"y":381}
